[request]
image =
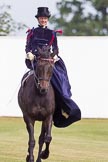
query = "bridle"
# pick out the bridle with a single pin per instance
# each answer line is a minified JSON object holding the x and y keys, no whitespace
{"x":38,"y":79}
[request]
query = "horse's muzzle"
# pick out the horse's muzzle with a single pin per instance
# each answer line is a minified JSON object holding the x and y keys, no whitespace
{"x":43,"y":91}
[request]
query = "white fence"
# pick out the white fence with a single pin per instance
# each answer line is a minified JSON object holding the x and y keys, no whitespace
{"x":86,"y":59}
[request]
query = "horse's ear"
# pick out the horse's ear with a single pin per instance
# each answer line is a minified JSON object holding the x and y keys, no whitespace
{"x":39,"y":49}
{"x":48,"y":48}
{"x":53,"y":54}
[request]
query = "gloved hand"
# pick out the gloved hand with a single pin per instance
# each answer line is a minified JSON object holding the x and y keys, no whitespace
{"x":30,"y":56}
{"x":56,"y":58}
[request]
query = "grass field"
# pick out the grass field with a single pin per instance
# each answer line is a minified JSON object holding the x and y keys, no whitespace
{"x":83,"y":141}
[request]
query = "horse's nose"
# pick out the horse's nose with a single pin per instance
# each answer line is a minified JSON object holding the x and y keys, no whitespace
{"x":43,"y":86}
{"x":43,"y":91}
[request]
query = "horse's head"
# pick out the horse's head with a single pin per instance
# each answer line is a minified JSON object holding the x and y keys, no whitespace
{"x":44,"y":69}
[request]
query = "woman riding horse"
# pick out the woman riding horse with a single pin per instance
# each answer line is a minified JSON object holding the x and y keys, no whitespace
{"x":66,"y":110}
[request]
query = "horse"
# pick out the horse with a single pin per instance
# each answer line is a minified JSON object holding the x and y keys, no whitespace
{"x":36,"y":99}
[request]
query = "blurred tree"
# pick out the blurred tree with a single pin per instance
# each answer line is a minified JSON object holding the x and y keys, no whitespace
{"x":82,"y":17}
{"x":7,"y":24}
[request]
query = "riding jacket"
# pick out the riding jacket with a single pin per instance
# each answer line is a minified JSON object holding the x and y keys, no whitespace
{"x":41,"y":37}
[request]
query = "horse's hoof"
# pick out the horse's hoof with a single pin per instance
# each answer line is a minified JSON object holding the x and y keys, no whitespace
{"x":28,"y":159}
{"x":38,"y":160}
{"x":44,"y":154}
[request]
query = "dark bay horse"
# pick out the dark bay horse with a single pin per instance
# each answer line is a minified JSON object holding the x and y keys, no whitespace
{"x":37,"y":102}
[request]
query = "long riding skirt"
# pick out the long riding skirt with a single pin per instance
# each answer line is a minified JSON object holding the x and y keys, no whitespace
{"x":64,"y":103}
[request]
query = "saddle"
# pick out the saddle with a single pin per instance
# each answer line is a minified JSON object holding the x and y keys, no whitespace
{"x":26,"y":77}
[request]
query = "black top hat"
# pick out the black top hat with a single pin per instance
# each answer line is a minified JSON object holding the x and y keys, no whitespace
{"x":43,"y":12}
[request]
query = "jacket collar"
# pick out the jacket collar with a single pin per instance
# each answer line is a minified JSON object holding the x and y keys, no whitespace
{"x":44,"y":27}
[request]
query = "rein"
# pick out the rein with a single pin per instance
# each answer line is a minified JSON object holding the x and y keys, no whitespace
{"x":35,"y":76}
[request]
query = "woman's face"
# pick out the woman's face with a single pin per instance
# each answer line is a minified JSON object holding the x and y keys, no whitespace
{"x":43,"y":21}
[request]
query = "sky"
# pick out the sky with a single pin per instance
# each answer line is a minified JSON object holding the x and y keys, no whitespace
{"x":24,"y":11}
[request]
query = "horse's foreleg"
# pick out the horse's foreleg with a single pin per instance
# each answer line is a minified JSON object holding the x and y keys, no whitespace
{"x":31,"y":143}
{"x":41,"y":142}
{"x":47,"y":138}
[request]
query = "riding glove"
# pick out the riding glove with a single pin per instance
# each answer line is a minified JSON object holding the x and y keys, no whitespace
{"x":30,"y":56}
{"x":56,"y":58}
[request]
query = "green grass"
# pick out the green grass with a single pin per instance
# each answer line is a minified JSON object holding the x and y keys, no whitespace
{"x":83,"y":141}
